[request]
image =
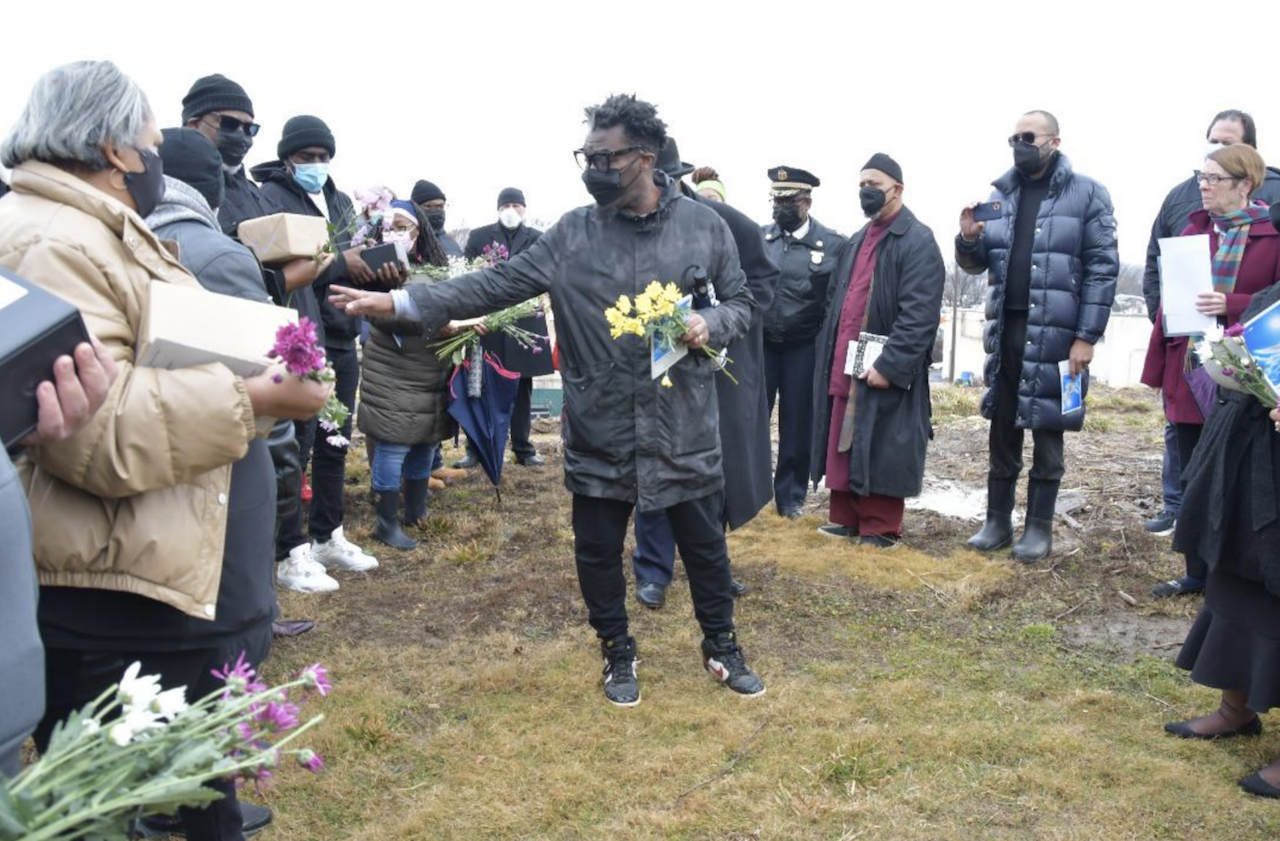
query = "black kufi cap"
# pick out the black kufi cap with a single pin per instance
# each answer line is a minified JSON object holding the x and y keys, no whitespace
{"x":885,"y":164}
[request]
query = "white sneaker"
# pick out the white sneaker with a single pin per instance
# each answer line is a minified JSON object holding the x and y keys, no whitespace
{"x":300,"y":572}
{"x":340,"y":553}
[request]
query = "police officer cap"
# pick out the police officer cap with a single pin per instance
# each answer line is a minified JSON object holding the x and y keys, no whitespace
{"x":791,"y":181}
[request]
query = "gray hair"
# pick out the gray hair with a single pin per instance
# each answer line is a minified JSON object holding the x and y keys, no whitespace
{"x":73,"y":111}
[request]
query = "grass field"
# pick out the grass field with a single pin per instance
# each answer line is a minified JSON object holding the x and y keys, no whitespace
{"x":926,"y":693}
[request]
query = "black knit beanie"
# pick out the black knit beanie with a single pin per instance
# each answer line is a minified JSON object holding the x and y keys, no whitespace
{"x":191,"y":158}
{"x":425,"y":191}
{"x":214,"y":93}
{"x":301,"y":132}
{"x":511,"y":195}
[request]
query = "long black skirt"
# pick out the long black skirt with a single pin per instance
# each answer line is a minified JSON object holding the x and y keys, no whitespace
{"x":1235,"y":641}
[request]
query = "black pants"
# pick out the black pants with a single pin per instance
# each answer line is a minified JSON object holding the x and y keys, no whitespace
{"x":599,"y":530}
{"x":1006,"y":437}
{"x":1188,"y":436}
{"x":788,"y":378}
{"x":328,"y":466}
{"x":73,"y":678}
{"x":521,"y":422}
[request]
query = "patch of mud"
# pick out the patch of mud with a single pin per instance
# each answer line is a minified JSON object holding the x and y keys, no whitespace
{"x":1131,"y":634}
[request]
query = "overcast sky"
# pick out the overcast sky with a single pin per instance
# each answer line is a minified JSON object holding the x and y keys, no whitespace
{"x":480,"y":96}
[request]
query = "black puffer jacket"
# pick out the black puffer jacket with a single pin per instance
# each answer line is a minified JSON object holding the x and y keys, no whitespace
{"x":1174,"y":216}
{"x":340,"y":330}
{"x":627,"y":438}
{"x":403,"y":386}
{"x":243,"y":200}
{"x":804,"y":272}
{"x":1074,"y":264}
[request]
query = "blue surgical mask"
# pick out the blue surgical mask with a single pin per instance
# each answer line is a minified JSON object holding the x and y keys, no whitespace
{"x":311,"y":177}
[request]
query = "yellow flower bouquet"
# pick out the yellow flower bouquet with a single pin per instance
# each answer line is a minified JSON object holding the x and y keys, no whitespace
{"x":658,"y":315}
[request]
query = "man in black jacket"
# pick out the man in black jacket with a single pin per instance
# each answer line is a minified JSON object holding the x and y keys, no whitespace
{"x":431,"y":200}
{"x":1227,"y":128}
{"x":872,"y":422}
{"x":803,"y":249}
{"x":628,"y":440}
{"x":512,"y":233}
{"x":299,"y":182}
{"x":745,"y":439}
{"x":1052,"y":261}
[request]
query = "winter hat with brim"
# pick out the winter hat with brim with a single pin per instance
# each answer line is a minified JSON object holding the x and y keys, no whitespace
{"x":424,"y":191}
{"x":303,"y":132}
{"x":511,"y":195}
{"x":214,"y":93}
{"x":191,"y":158}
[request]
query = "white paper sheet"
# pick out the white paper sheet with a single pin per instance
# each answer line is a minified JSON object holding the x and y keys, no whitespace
{"x":9,"y":292}
{"x":1186,"y":270}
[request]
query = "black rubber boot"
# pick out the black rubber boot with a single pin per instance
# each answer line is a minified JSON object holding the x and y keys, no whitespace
{"x":1037,"y":535}
{"x":387,"y":504}
{"x":997,"y":532}
{"x":415,"y":501}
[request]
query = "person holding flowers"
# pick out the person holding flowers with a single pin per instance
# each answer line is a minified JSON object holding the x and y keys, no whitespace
{"x":130,"y":515}
{"x":1232,"y":482}
{"x":1245,"y":249}
{"x":628,"y":440}
{"x":403,"y":396}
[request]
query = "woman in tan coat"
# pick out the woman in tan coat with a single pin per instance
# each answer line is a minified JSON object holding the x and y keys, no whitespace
{"x":130,"y":514}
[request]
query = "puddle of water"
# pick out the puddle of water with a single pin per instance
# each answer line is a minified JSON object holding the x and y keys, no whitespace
{"x":950,"y":499}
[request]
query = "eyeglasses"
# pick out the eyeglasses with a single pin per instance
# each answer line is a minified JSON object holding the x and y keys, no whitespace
{"x":1028,"y":137}
{"x":231,"y":124}
{"x":1213,"y":179}
{"x":600,"y":161}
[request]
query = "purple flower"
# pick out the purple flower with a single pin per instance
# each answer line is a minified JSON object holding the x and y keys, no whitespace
{"x":310,"y":760}
{"x":537,"y":349}
{"x":299,"y":349}
{"x":277,"y":379}
{"x":278,"y":716}
{"x":240,"y":678}
{"x":339,"y":442}
{"x":1234,"y":331}
{"x":1228,"y":371}
{"x":317,"y":678}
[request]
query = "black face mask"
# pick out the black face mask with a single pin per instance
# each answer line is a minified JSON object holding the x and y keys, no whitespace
{"x":233,"y":146}
{"x":607,"y":187}
{"x":436,"y":219}
{"x":146,"y":187}
{"x":872,"y":200}
{"x":787,"y":216}
{"x":1028,"y":158}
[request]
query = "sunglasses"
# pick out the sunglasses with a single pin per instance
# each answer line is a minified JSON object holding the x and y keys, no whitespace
{"x":231,"y":124}
{"x":1027,"y":137}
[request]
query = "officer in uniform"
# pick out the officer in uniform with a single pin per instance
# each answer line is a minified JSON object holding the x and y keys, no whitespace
{"x":804,"y":251}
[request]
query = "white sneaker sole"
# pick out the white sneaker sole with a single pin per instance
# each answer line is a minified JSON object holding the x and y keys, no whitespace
{"x":305,"y":588}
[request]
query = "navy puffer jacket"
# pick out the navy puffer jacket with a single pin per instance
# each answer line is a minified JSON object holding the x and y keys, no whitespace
{"x":1074,"y":264}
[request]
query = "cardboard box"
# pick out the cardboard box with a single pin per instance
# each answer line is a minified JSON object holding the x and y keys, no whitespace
{"x":282,"y":237}
{"x":187,"y":326}
{"x":36,"y":327}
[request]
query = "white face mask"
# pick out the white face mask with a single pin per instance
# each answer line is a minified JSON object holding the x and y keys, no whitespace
{"x":510,"y":218}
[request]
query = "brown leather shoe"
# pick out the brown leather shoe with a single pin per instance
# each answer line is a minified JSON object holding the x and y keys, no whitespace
{"x":449,"y":474}
{"x":435,"y":484}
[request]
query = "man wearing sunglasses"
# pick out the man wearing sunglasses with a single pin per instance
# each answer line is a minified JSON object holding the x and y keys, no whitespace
{"x":220,"y":109}
{"x":628,"y":441}
{"x":1052,"y":262}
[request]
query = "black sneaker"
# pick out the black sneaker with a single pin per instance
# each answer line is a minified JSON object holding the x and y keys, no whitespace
{"x":880,"y":541}
{"x":1160,"y":525}
{"x":722,"y":658}
{"x":621,"y":686}
{"x":1184,"y":586}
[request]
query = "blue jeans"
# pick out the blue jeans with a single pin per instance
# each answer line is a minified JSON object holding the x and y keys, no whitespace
{"x":1171,"y":471}
{"x":390,"y":461}
{"x":654,"y":560}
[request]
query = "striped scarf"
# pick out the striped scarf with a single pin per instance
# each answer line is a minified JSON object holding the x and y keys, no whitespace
{"x":1235,"y":235}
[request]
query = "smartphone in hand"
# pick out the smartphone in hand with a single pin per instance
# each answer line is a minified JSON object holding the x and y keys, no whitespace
{"x":987,"y":211}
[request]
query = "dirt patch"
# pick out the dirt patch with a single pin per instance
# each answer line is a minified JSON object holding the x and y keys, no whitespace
{"x":1130,"y":634}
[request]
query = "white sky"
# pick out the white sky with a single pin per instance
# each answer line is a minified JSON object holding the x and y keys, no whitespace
{"x":479,"y":96}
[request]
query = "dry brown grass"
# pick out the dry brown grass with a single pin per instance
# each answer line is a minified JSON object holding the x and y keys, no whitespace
{"x":924,"y":693}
